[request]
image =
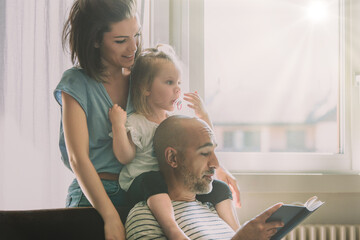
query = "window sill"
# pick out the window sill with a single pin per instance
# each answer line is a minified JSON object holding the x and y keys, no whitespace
{"x":298,"y":183}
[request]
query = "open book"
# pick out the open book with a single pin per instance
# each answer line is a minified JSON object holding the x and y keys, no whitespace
{"x":291,"y":215}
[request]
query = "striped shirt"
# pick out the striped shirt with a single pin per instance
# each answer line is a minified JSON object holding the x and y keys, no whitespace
{"x":198,"y":220}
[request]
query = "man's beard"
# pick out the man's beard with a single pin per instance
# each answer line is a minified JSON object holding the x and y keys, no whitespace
{"x":196,"y":185}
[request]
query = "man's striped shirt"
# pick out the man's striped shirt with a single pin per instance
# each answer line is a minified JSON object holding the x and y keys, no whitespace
{"x":198,"y":220}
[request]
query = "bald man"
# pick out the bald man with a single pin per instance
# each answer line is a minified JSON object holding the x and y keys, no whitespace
{"x":185,"y":151}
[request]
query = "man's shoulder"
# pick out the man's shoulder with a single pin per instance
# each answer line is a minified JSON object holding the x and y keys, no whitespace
{"x":141,"y":223}
{"x":201,"y":221}
{"x":139,"y":208}
{"x":184,"y":206}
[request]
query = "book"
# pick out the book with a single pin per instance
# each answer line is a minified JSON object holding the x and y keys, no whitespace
{"x":291,"y":215}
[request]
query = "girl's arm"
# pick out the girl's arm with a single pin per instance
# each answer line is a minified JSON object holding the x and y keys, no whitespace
{"x":160,"y":205}
{"x":123,"y":146}
{"x":77,"y":144}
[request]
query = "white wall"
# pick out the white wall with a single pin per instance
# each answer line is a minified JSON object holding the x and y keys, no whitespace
{"x":341,"y":194}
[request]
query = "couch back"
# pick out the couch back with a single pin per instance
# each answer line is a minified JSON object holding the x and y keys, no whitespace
{"x":63,"y":223}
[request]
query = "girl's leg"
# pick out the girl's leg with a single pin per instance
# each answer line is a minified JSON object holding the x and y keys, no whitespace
{"x":161,"y":206}
{"x":226,"y":210}
{"x":151,"y":187}
{"x":221,"y":198}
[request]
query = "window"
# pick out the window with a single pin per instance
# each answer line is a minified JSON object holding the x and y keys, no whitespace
{"x":276,"y":66}
{"x":296,"y":141}
{"x":276,"y":77}
{"x":232,"y":139}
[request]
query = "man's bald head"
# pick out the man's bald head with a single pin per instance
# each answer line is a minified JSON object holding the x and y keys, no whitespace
{"x":176,"y":131}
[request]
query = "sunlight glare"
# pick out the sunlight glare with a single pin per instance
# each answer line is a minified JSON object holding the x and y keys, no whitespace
{"x":317,"y":11}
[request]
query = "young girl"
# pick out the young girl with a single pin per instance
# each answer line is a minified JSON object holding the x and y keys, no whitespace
{"x":155,"y":79}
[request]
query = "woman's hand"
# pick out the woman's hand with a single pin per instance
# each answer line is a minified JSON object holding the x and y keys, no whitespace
{"x":117,"y":116}
{"x":114,"y":229}
{"x":225,"y":176}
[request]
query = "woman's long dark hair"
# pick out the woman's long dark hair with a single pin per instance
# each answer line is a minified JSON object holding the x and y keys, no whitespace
{"x":88,"y":21}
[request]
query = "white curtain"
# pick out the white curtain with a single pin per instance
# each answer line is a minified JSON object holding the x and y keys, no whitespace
{"x":31,"y":172}
{"x":32,"y":61}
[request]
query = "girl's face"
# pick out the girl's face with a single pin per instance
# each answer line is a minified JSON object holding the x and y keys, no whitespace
{"x":118,"y":47}
{"x":165,"y":88}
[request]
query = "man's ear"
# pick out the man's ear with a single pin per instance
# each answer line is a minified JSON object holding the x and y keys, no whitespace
{"x":170,"y":157}
{"x":97,"y":45}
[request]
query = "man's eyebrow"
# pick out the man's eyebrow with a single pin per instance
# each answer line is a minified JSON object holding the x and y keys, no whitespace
{"x":209,"y":144}
{"x":127,"y":36}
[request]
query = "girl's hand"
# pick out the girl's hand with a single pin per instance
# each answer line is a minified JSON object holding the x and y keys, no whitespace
{"x":196,"y":103}
{"x":117,"y":116}
{"x":225,"y":176}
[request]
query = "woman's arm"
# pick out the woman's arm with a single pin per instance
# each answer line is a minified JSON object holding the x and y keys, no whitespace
{"x":77,"y":144}
{"x":123,"y":147}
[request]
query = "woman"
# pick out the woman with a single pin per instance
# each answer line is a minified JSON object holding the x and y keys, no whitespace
{"x":104,"y":39}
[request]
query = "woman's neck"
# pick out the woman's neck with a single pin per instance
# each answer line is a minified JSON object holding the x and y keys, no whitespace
{"x":113,"y":75}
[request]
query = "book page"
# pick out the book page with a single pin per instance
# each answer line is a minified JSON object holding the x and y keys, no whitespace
{"x":312,"y":204}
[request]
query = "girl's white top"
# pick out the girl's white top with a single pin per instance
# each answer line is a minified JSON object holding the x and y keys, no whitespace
{"x":142,"y":133}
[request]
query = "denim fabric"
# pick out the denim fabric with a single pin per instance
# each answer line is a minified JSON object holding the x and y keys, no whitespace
{"x":76,"y":197}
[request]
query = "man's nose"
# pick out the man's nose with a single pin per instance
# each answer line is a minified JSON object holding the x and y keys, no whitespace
{"x":214,"y":162}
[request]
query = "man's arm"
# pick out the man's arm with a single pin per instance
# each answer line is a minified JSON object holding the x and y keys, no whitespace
{"x":258,"y":228}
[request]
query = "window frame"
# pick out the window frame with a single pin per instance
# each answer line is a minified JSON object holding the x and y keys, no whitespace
{"x":186,"y":34}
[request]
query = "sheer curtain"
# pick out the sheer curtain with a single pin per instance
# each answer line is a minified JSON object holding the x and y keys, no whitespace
{"x":31,"y":172}
{"x":32,"y":61}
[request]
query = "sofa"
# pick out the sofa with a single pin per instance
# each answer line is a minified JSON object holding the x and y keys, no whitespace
{"x":62,"y":223}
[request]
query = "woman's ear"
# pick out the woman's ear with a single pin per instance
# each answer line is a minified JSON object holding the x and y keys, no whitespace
{"x":171,"y":157}
{"x":147,"y":93}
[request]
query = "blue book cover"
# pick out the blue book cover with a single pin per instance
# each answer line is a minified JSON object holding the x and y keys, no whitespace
{"x":292,"y":215}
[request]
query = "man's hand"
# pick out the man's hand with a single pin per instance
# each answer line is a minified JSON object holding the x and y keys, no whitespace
{"x":258,"y":228}
{"x":225,"y":176}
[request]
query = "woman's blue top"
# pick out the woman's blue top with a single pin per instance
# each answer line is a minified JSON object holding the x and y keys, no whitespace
{"x":95,"y":101}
